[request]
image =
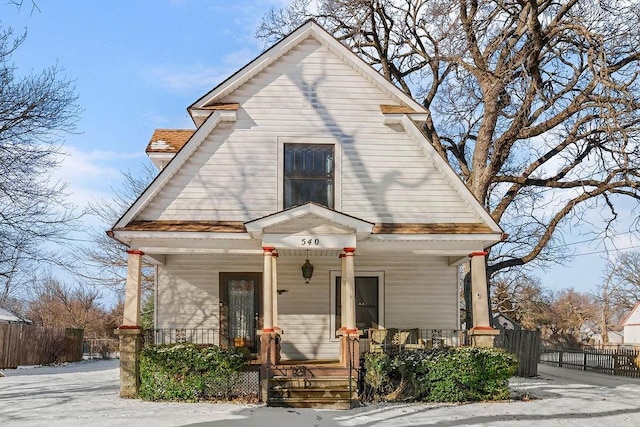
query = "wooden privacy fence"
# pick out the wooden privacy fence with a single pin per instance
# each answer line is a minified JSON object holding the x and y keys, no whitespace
{"x":621,"y":362}
{"x":525,"y":345}
{"x":36,"y":345}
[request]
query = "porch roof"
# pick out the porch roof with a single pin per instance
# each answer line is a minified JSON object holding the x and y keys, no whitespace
{"x":239,"y":227}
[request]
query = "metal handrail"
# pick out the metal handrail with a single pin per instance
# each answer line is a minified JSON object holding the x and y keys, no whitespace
{"x":351,"y":342}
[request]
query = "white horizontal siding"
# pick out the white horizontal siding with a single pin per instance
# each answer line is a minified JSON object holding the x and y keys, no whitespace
{"x":384,"y":176}
{"x":420,"y":292}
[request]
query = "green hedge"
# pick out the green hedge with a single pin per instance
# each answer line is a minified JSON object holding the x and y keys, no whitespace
{"x":190,"y":372}
{"x":440,"y":375}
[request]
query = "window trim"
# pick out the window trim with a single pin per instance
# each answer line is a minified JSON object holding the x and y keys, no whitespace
{"x":334,"y":274}
{"x":337,"y":165}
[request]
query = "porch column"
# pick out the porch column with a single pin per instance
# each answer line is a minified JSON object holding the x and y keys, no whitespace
{"x":130,"y":332}
{"x":343,"y":294}
{"x":274,"y":283}
{"x":267,"y":288}
{"x":269,"y":353}
{"x":349,"y":291}
{"x":482,"y":334}
{"x":133,"y":289}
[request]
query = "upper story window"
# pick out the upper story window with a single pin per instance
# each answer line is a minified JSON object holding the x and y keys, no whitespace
{"x":308,"y":174}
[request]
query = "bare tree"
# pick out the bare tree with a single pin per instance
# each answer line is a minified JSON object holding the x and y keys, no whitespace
{"x":107,"y":259}
{"x":55,"y":304}
{"x":533,"y":102}
{"x":521,"y":298}
{"x":619,"y":290}
{"x":35,"y":111}
{"x":569,"y":311}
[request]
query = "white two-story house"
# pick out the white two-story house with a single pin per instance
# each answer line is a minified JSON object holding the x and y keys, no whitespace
{"x":306,"y":157}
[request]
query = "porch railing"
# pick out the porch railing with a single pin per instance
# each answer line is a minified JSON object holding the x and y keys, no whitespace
{"x":395,"y":340}
{"x":223,"y":338}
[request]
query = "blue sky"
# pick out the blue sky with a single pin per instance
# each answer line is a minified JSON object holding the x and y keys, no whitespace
{"x":138,"y":64}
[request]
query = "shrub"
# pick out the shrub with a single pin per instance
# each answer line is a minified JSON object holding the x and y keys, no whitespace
{"x":440,"y":375}
{"x":377,"y":369}
{"x":190,"y":372}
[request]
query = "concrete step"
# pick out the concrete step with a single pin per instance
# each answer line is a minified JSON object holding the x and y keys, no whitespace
{"x":310,"y":371}
{"x":312,"y":403}
{"x":315,"y":392}
{"x":315,"y":382}
{"x":312,"y":393}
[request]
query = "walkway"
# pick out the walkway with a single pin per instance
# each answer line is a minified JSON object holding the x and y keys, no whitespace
{"x":86,"y":394}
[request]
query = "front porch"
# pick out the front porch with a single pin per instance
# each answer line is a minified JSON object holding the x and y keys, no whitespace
{"x":307,"y":283}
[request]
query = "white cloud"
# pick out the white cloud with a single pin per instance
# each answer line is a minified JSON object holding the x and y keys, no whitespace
{"x":197,"y":77}
{"x":91,"y":175}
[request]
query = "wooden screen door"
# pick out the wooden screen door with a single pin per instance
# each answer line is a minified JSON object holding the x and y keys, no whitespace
{"x":240,"y":309}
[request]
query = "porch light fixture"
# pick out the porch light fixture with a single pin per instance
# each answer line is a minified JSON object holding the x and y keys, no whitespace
{"x":307,"y":270}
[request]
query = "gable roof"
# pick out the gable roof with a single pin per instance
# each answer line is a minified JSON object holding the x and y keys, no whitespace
{"x":631,"y":313}
{"x":7,"y":316}
{"x":212,"y":111}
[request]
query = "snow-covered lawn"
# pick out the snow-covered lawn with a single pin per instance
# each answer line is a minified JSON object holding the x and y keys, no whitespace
{"x":86,"y":394}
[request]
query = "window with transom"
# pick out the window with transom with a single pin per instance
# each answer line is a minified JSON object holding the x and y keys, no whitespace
{"x":308,"y":174}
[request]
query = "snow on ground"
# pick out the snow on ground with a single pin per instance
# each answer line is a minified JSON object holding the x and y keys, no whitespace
{"x":86,"y":394}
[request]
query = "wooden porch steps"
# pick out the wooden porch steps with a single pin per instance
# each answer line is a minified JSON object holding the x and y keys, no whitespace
{"x":312,"y":386}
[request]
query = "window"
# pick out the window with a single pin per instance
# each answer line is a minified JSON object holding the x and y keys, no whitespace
{"x":308,"y":174}
{"x":367,"y":302}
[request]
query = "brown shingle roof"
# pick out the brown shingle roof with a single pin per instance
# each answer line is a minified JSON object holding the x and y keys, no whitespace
{"x":238,"y":227}
{"x":207,"y":226}
{"x":419,"y":228}
{"x":168,"y":140}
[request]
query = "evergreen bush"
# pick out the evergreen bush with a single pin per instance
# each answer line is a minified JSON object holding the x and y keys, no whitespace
{"x":440,"y":375}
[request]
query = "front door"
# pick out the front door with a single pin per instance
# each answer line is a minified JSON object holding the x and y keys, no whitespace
{"x":240,"y":313}
{"x":367,"y":302}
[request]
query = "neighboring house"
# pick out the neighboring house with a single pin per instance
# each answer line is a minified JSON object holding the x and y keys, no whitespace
{"x":7,"y":316}
{"x":306,"y":157}
{"x":632,"y":326}
{"x":502,"y":321}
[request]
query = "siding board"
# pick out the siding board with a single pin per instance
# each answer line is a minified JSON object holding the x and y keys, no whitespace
{"x":310,"y":91}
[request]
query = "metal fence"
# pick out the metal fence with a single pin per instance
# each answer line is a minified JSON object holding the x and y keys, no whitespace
{"x":100,"y":348}
{"x":620,"y":362}
{"x":395,"y":340}
{"x":223,"y":338}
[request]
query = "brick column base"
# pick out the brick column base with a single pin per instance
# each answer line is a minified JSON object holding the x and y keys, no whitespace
{"x":269,"y":346}
{"x":483,"y":337}
{"x":130,"y":347}
{"x":353,"y":351}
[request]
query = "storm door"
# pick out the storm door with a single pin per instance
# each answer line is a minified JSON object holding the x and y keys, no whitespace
{"x":240,"y":314}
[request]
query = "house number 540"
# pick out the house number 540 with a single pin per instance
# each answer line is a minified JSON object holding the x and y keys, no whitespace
{"x":310,"y":242}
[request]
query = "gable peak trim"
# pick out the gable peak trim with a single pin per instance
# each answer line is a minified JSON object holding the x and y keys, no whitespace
{"x":309,"y":29}
{"x":255,"y":227}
